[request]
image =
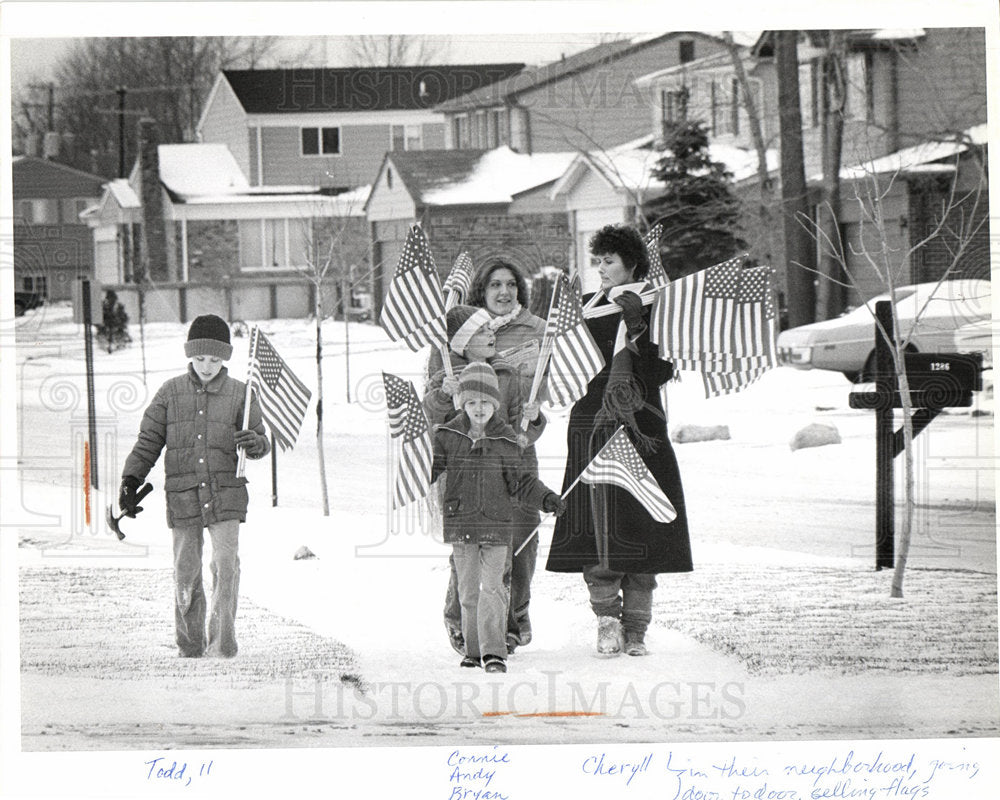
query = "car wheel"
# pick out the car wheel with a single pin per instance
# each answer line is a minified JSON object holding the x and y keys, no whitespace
{"x":852,"y":376}
{"x":867,"y":374}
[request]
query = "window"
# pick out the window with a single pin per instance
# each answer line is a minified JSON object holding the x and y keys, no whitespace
{"x":406,"y":137}
{"x":26,"y":211}
{"x":462,"y":132}
{"x":274,"y":243}
{"x":481,"y":138}
{"x":859,"y":101}
{"x":38,"y":284}
{"x":686,"y":50}
{"x":499,"y":117}
{"x":71,"y":210}
{"x":321,"y":141}
{"x":39,"y":212}
{"x":673,"y":106}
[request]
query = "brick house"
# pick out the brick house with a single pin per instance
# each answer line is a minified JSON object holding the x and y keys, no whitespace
{"x":53,"y":248}
{"x":331,"y":127}
{"x":588,"y":100}
{"x":489,"y":203}
{"x":188,"y":222}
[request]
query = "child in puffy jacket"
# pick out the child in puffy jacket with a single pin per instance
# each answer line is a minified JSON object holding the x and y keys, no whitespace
{"x":486,"y":477}
{"x":198,"y":417}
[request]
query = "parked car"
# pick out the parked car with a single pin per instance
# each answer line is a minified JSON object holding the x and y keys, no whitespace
{"x":25,"y":301}
{"x":847,"y":344}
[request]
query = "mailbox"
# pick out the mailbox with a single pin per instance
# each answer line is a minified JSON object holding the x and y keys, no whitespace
{"x":937,"y":380}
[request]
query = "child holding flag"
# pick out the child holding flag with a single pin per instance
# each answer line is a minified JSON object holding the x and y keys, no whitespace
{"x":485,"y":480}
{"x":198,"y":417}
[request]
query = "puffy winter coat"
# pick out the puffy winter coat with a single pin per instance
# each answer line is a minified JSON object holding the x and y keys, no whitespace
{"x":486,"y":479}
{"x":196,"y":423}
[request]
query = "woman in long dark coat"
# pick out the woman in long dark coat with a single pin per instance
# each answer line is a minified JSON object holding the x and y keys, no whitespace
{"x":606,"y":533}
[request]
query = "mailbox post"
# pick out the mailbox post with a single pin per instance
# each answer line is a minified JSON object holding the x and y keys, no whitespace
{"x":937,"y":381}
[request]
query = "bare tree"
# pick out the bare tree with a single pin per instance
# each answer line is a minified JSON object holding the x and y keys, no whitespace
{"x":334,"y":250}
{"x":960,"y":219}
{"x":396,"y":50}
{"x":167,"y":78}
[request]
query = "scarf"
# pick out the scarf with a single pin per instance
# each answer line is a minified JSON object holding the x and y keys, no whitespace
{"x":623,"y":395}
{"x":504,"y":319}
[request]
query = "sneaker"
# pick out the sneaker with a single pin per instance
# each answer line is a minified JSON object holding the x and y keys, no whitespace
{"x":634,"y":645}
{"x":609,"y":636}
{"x":455,"y":639}
{"x":494,"y":664}
{"x":470,"y":661}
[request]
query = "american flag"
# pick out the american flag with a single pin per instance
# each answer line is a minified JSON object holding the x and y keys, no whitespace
{"x":657,"y":275}
{"x":576,"y":359}
{"x":720,"y":322}
{"x":459,"y":280}
{"x":283,"y":397}
{"x":619,"y":463}
{"x":413,"y":311}
{"x":408,"y":427}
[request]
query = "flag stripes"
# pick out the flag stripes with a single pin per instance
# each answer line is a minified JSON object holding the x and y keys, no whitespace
{"x":282,"y":396}
{"x":412,"y":454}
{"x":620,"y":464}
{"x":720,"y":322}
{"x":459,"y":280}
{"x":657,"y":275}
{"x":413,"y":311}
{"x":576,"y":359}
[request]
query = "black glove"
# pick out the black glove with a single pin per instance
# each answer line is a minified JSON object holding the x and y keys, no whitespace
{"x":631,"y":306}
{"x":126,"y":496}
{"x":553,"y":504}
{"x":251,"y":442}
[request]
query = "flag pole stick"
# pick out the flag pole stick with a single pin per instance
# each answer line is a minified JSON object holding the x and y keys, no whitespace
{"x":274,"y":473}
{"x":563,"y":495}
{"x":241,"y":462}
{"x":543,"y":355}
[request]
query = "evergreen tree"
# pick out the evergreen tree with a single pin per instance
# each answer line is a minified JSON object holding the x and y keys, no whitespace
{"x":699,"y":211}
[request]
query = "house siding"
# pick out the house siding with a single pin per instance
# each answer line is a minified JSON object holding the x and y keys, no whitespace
{"x":362,"y":150}
{"x":225,"y":123}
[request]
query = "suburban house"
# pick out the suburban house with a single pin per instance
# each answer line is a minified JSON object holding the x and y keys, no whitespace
{"x":53,"y":248}
{"x":585,"y":101}
{"x":186,"y":234}
{"x":488,"y":203}
{"x":331,"y":127}
{"x":915,"y":111}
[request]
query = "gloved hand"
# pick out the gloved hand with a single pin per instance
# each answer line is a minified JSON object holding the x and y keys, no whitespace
{"x":554,"y":504}
{"x":449,"y":386}
{"x":126,"y":496}
{"x":631,"y":306}
{"x":251,"y":442}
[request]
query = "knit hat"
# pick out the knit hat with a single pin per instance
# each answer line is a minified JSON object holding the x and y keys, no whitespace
{"x":478,"y":381}
{"x":208,"y":336}
{"x":463,"y":322}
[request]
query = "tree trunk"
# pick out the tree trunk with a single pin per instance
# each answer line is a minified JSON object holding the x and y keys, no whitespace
{"x":831,"y":293}
{"x":765,"y":217}
{"x":319,"y":399}
{"x":801,"y":291}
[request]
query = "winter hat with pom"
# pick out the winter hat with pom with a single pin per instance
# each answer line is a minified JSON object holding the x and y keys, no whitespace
{"x":478,"y":381}
{"x":208,"y":336}
{"x":463,"y":322}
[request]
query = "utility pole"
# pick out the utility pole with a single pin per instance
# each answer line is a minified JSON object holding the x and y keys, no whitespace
{"x":121,"y":131}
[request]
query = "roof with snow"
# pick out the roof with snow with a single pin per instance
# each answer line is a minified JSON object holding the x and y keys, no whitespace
{"x":926,"y":157}
{"x":627,"y":168}
{"x":474,"y":177}
{"x":200,"y":169}
{"x":294,"y":91}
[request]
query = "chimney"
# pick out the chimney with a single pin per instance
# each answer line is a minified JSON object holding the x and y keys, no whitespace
{"x":50,"y":145}
{"x":155,"y":250}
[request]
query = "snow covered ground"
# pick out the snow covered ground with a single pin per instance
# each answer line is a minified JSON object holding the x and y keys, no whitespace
{"x":784,"y":631}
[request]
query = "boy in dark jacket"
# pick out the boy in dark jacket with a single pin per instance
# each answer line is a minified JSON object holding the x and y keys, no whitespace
{"x":486,"y":475}
{"x":198,"y":417}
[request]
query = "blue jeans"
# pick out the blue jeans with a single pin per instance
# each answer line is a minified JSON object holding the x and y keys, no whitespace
{"x":627,"y":596}
{"x":189,"y":596}
{"x":479,"y":568}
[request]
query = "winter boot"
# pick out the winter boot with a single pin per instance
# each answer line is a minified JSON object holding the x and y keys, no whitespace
{"x":609,"y":636}
{"x":512,"y":642}
{"x":634,"y":644}
{"x":524,"y":633}
{"x":494,"y":664}
{"x":470,"y":661}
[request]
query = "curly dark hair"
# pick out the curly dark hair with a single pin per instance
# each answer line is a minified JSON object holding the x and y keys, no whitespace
{"x":477,"y":292}
{"x":624,"y":241}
